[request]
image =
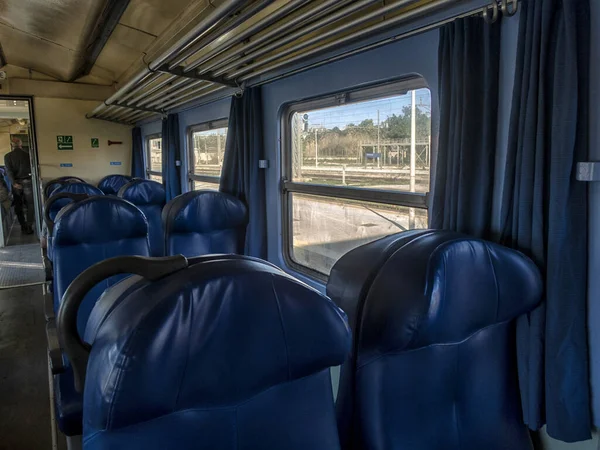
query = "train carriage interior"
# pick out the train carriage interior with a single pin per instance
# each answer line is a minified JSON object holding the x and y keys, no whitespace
{"x":299,"y":224}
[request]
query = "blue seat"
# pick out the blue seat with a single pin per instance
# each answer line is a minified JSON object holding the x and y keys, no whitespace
{"x":149,"y":196}
{"x":56,"y":182}
{"x":228,"y":353}
{"x":66,"y":188}
{"x":4,"y":175}
{"x":70,"y":188}
{"x":85,"y":233}
{"x":204,"y":222}
{"x":111,"y":184}
{"x":434,"y":357}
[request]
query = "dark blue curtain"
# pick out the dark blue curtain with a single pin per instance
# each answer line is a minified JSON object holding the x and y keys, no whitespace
{"x":171,"y":156}
{"x":241,"y":175}
{"x":544,"y":210}
{"x":137,"y":154}
{"x":469,"y":53}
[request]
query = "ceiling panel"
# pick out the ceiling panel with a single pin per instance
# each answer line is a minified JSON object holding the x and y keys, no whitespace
{"x":48,"y":36}
{"x":122,"y":49}
{"x":63,"y":22}
{"x":116,"y":59}
{"x":40,"y":55}
{"x":131,"y":38}
{"x":152,"y":16}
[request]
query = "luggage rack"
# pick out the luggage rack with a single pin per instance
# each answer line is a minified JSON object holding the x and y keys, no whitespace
{"x":241,"y":43}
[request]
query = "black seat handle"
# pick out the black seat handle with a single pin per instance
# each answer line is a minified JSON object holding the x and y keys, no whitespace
{"x":52,"y":200}
{"x":76,"y":349}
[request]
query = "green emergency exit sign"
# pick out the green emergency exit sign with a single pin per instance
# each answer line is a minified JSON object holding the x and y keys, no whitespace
{"x":64,"y":142}
{"x":95,"y":143}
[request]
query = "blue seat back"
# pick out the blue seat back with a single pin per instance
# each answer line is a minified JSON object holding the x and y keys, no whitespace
{"x":434,"y":355}
{"x":204,"y":222}
{"x":71,"y":188}
{"x":227,"y":354}
{"x":57,"y":182}
{"x":90,"y":231}
{"x":149,"y":196}
{"x":4,"y":175}
{"x":111,"y":184}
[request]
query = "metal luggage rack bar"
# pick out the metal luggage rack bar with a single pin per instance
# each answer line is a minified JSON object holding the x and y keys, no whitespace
{"x":258,"y":43}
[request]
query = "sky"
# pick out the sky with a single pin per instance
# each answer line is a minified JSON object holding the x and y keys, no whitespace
{"x":341,"y":116}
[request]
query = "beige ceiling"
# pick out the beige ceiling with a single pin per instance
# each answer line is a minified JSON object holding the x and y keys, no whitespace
{"x":51,"y":36}
{"x":140,"y":25}
{"x":47,"y":36}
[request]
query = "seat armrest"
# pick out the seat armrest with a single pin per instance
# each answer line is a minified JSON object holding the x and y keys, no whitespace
{"x":48,"y":301}
{"x":54,"y":350}
{"x":49,"y":273}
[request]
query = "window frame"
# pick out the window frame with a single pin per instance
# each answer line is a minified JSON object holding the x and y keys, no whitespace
{"x":149,"y":170}
{"x":200,"y":127}
{"x":418,"y":200}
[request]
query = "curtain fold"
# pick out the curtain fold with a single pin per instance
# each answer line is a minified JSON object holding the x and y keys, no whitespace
{"x":241,"y":175}
{"x":171,"y":156}
{"x":544,"y":210}
{"x":137,"y":153}
{"x":469,"y":61}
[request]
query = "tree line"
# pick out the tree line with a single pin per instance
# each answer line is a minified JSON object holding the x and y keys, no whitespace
{"x":346,"y":142}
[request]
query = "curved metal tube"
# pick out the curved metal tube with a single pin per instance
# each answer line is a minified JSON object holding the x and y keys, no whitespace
{"x":148,"y":268}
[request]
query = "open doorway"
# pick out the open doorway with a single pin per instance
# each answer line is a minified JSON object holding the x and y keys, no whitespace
{"x":20,"y":255}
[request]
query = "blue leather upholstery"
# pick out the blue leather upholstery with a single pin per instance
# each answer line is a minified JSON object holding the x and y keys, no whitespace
{"x":57,"y":182}
{"x":72,"y":188}
{"x":149,"y":196}
{"x":434,"y":357}
{"x":85,"y":233}
{"x":111,"y":184}
{"x":204,"y":222}
{"x":226,"y":354}
{"x":4,"y":175}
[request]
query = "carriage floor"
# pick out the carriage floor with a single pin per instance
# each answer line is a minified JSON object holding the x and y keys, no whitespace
{"x":25,"y":421}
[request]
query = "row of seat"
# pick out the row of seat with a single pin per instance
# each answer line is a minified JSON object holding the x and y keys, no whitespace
{"x":85,"y":227}
{"x":109,"y":185}
{"x":230,"y":352}
{"x":195,"y":223}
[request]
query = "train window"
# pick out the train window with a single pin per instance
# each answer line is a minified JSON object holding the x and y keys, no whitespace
{"x":154,"y":157}
{"x":207,"y":145}
{"x":356,"y":168}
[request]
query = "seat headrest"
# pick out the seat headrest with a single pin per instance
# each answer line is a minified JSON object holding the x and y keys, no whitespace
{"x":54,"y":185}
{"x":143,"y":192}
{"x":203,"y":211}
{"x":111,"y":184}
{"x":212,"y":335}
{"x":98,"y":219}
{"x":76,"y":188}
{"x":440,"y":287}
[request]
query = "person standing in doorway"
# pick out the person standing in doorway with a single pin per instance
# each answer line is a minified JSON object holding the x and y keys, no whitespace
{"x":18,"y":168}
